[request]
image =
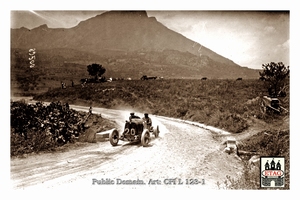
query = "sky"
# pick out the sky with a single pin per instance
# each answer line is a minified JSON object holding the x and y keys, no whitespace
{"x":249,"y":38}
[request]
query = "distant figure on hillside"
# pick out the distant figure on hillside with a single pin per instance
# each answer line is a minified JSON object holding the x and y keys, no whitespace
{"x":90,"y":110}
{"x":63,"y":85}
{"x":67,"y":106}
{"x":72,"y":83}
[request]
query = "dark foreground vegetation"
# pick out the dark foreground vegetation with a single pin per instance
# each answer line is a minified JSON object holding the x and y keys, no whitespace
{"x":39,"y":127}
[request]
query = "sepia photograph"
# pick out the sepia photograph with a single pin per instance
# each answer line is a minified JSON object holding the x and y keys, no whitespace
{"x":149,"y":99}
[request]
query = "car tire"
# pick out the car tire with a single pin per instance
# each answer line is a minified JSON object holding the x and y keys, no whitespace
{"x":114,"y":137}
{"x":145,"y":139}
{"x":156,"y":132}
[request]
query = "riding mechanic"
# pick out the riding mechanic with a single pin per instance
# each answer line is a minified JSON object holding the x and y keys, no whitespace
{"x":147,"y":120}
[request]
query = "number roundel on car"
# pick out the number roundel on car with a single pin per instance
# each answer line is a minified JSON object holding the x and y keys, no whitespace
{"x":132,"y":131}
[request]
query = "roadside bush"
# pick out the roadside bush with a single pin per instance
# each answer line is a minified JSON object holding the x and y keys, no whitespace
{"x":35,"y":127}
{"x":181,"y":111}
{"x":268,"y":142}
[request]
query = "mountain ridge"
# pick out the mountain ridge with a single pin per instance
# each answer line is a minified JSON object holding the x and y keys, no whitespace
{"x":127,"y":31}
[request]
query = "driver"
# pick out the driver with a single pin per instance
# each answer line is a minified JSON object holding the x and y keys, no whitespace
{"x":147,"y":120}
{"x":133,"y":116}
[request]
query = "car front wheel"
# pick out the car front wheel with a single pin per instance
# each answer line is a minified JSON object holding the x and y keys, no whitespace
{"x":145,"y":139}
{"x":114,"y":137}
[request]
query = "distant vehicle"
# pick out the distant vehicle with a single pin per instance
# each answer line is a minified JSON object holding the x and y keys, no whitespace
{"x":93,"y":80}
{"x":135,"y":130}
{"x":271,"y":104}
{"x":262,"y":78}
{"x":144,"y":77}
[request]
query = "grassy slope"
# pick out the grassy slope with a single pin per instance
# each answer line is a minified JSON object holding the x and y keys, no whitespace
{"x":227,"y":104}
{"x":63,"y":65}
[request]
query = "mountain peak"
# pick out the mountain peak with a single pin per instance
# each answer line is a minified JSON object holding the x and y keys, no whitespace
{"x":126,"y":31}
{"x":111,"y":16}
{"x":134,"y":13}
{"x":43,"y":26}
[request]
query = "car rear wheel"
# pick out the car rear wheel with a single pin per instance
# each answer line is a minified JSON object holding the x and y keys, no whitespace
{"x":145,"y":139}
{"x":114,"y":137}
{"x":156,"y":132}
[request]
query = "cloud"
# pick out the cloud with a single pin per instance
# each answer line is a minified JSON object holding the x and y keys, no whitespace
{"x":286,"y":44}
{"x":281,"y":48}
{"x":282,"y":52}
{"x":54,"y":19}
{"x":269,"y":29}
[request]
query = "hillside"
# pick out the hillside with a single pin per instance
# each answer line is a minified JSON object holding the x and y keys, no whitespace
{"x":114,"y":30}
{"x":213,"y":102}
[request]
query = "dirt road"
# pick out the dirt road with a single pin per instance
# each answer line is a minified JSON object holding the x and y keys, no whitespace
{"x":181,"y":151}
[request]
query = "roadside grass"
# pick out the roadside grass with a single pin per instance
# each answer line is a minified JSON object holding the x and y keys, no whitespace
{"x":37,"y":141}
{"x":226,"y":104}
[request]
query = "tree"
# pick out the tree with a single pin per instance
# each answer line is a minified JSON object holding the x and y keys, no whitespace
{"x":96,"y":70}
{"x":274,"y":74}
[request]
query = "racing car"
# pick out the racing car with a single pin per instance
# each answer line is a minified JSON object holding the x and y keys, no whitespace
{"x":135,"y":130}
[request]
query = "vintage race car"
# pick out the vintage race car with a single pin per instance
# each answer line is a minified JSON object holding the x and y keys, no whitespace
{"x":135,"y":130}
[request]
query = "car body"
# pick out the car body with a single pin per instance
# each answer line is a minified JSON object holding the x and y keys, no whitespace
{"x":135,"y":130}
{"x":145,"y":77}
{"x":271,"y":104}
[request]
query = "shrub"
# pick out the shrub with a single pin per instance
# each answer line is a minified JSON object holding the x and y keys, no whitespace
{"x":38,"y":127}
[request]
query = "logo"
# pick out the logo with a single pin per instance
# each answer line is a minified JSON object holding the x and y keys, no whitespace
{"x":272,"y":171}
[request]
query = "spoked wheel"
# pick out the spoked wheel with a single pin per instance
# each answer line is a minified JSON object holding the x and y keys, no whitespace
{"x":114,"y":137}
{"x":145,"y":139}
{"x":156,"y":132}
